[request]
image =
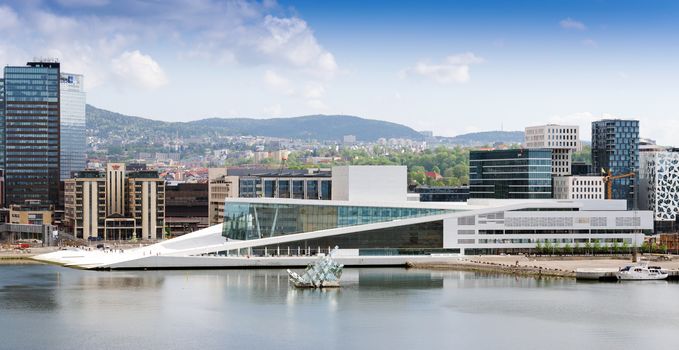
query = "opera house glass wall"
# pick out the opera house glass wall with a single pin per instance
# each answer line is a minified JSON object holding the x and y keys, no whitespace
{"x":246,"y":221}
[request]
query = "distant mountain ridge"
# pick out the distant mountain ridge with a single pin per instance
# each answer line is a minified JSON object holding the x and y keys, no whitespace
{"x":487,"y":138}
{"x":103,"y":123}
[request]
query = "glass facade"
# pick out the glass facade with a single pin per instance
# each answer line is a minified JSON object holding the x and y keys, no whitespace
{"x":31,"y":133}
{"x":73,"y":140}
{"x":2,"y":124}
{"x":285,"y":187}
{"x":511,"y":174}
{"x":246,"y":221}
{"x":416,"y":239}
{"x":615,"y":147}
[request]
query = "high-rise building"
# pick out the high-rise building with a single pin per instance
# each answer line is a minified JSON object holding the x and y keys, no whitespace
{"x":563,"y":140}
{"x":31,"y":132}
{"x":615,"y":149}
{"x":146,"y":203}
{"x":115,"y":189}
{"x":85,"y":204}
{"x":73,"y":140}
{"x":659,"y":187}
{"x":510,"y":174}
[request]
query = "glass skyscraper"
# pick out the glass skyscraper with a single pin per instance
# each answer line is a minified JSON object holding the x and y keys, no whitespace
{"x":615,"y":147}
{"x":72,"y":134}
{"x":511,"y":174}
{"x":31,"y":133}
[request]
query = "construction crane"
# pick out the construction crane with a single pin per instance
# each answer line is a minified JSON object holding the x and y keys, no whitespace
{"x":608,"y":180}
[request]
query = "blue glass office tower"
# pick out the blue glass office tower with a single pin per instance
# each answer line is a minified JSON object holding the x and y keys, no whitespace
{"x":31,"y":133}
{"x":615,"y":147}
{"x":73,"y":141}
{"x":511,"y":174}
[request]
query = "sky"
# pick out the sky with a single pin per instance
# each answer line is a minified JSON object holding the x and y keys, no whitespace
{"x":447,"y":66}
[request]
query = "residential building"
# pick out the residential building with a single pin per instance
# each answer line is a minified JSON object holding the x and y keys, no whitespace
{"x":146,"y":204}
{"x":615,"y":149}
{"x":510,"y":174}
{"x":563,"y":140}
{"x":31,"y":133}
{"x":85,"y":204}
{"x":579,"y":187}
{"x":659,"y":187}
{"x":72,"y":123}
{"x":442,"y":193}
{"x":186,"y":207}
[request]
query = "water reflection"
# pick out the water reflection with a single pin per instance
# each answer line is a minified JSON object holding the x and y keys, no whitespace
{"x":374,"y":309}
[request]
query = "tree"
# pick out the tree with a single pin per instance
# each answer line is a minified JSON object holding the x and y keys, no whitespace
{"x":616,"y":247}
{"x":538,"y":248}
{"x":567,"y":249}
{"x":625,"y":247}
{"x":576,"y":248}
{"x":588,"y":247}
{"x":549,"y":248}
{"x":597,"y":247}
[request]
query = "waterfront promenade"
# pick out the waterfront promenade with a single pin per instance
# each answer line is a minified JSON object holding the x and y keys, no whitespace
{"x":554,"y":266}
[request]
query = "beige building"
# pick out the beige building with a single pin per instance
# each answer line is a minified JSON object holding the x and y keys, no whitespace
{"x":115,"y":189}
{"x":146,"y":204}
{"x":579,"y":187}
{"x":31,"y":214}
{"x":85,"y":204}
{"x":219,"y":189}
{"x":563,"y":140}
{"x":115,"y":205}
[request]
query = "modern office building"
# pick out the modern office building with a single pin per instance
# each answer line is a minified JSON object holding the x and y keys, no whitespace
{"x":383,"y":231}
{"x":72,"y":134}
{"x":442,"y":193}
{"x":563,"y":140}
{"x":85,"y":204}
{"x":583,"y":169}
{"x":31,"y":212}
{"x":579,"y":187}
{"x":146,"y":204}
{"x":659,"y":188}
{"x":615,"y":148}
{"x":511,"y":174}
{"x":255,"y":183}
{"x":186,"y":207}
{"x":31,"y":133}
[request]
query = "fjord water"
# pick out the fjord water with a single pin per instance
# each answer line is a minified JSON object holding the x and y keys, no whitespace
{"x":49,"y":307}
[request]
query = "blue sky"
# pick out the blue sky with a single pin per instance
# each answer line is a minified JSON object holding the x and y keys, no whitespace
{"x":449,"y":66}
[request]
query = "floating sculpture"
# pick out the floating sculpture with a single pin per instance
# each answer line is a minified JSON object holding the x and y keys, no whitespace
{"x":324,"y":273}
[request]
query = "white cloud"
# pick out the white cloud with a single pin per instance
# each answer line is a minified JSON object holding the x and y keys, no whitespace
{"x":8,"y":18}
{"x":314,"y":90}
{"x":569,"y":23}
{"x":278,"y":82}
{"x":139,"y":68}
{"x":455,"y":68}
{"x":236,"y":32}
{"x":291,"y":40}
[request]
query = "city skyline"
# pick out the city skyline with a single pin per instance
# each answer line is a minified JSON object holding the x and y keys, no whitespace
{"x":448,"y":67}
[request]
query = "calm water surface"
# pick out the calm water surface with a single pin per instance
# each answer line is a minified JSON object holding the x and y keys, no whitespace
{"x":49,"y":307}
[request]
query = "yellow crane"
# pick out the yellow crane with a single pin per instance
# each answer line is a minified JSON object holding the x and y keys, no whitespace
{"x":608,"y":180}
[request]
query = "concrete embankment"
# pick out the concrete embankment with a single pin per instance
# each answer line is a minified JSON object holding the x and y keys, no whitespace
{"x":495,"y":267}
{"x":554,"y":266}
